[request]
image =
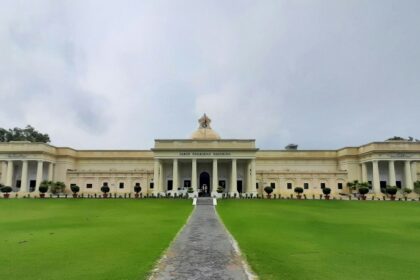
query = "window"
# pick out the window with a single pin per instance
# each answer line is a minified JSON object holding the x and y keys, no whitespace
{"x":257,"y":186}
{"x":88,"y":186}
{"x":121,"y":185}
{"x":170,"y":185}
{"x":187,"y":184}
{"x":322,"y":185}
{"x":222,"y":183}
{"x":137,"y":185}
{"x":340,"y":186}
{"x":306,"y":186}
{"x":273,"y":185}
{"x":151,"y":185}
{"x":105,"y":184}
{"x":72,"y":185}
{"x":398,"y":183}
{"x":18,"y":184}
{"x":289,"y":186}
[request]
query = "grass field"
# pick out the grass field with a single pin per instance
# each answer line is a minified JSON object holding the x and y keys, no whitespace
{"x":86,"y":239}
{"x":327,"y":239}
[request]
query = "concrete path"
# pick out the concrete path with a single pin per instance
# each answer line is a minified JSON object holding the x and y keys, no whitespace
{"x":203,"y":250}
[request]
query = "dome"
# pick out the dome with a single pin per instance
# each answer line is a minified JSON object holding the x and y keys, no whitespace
{"x":204,"y":131}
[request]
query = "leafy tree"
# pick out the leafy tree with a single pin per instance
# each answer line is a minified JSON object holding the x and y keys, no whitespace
{"x":23,"y":134}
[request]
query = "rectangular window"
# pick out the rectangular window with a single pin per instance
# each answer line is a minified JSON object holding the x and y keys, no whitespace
{"x":273,"y":185}
{"x":32,"y":184}
{"x":257,"y":186}
{"x":137,"y":185}
{"x":398,"y":184}
{"x":187,"y":184}
{"x":18,"y":183}
{"x":170,"y":185}
{"x":151,"y":185}
{"x":222,"y":183}
{"x":340,"y":186}
{"x":289,"y":186}
{"x":72,"y":185}
{"x":370,"y":184}
{"x":306,"y":186}
{"x":121,"y":185}
{"x":322,"y":185}
{"x":88,"y":186}
{"x":105,"y":184}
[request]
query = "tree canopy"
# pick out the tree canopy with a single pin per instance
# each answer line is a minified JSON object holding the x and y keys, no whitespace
{"x":23,"y":134}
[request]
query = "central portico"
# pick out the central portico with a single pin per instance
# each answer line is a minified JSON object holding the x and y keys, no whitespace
{"x":204,"y":163}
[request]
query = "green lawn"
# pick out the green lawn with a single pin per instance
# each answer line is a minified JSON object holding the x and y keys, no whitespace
{"x":327,"y":239}
{"x":86,"y":239}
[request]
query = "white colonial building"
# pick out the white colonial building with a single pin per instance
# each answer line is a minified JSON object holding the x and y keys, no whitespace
{"x":205,"y":161}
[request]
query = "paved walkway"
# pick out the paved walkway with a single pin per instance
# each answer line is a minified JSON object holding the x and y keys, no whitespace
{"x":203,"y":250}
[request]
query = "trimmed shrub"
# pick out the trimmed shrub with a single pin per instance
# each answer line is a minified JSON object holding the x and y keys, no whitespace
{"x":6,"y":189}
{"x":137,"y":189}
{"x":298,"y":190}
{"x":268,"y":190}
{"x":75,"y":189}
{"x":105,"y":189}
{"x":326,"y":191}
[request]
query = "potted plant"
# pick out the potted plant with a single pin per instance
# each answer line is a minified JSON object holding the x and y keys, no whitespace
{"x":137,"y":190}
{"x":105,"y":191}
{"x":268,"y":190}
{"x":299,"y":192}
{"x":6,"y":190}
{"x":75,"y":189}
{"x":43,"y":188}
{"x":406,"y":192}
{"x":363,"y":191}
{"x":190,"y":192}
{"x":326,"y":192}
{"x":392,"y":191}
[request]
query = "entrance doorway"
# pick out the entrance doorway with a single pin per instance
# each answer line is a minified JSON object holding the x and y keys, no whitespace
{"x":204,"y":188}
{"x":239,"y":186}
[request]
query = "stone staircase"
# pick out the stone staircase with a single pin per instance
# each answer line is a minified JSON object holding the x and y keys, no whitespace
{"x":204,"y":201}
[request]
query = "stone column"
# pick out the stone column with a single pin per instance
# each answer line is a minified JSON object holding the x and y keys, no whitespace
{"x":253,"y":177}
{"x":364,"y":173}
{"x":156,"y":176}
{"x":24,"y":177}
{"x":408,"y":182}
{"x":51,"y":171}
{"x":9,"y":173}
{"x":215,"y":183}
{"x":376,"y":184}
{"x":414,"y":171}
{"x":161,"y":177}
{"x":175,"y":180}
{"x":3,"y":172}
{"x":194,"y":174}
{"x":391,"y":173}
{"x":233,"y":178}
{"x":39,"y":171}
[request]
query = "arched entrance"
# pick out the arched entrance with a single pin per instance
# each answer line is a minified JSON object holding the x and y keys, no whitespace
{"x":204,"y":188}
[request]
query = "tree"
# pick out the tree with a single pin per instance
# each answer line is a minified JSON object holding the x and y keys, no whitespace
{"x":268,"y":190}
{"x":23,"y":134}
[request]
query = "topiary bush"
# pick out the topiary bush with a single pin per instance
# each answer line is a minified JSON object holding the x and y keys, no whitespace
{"x":6,"y":189}
{"x":220,"y":189}
{"x":392,"y":191}
{"x":363,"y":191}
{"x":75,"y":189}
{"x":190,"y":190}
{"x":326,"y":191}
{"x":268,"y":190}
{"x":105,"y":190}
{"x":137,"y":189}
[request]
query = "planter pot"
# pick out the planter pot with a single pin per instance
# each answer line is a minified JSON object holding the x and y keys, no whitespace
{"x":136,"y":195}
{"x":363,"y":197}
{"x":6,"y":195}
{"x":299,"y":196}
{"x":105,"y":195}
{"x":327,"y":197}
{"x":392,"y":197}
{"x":268,"y":196}
{"x":42,"y":195}
{"x":75,"y":195}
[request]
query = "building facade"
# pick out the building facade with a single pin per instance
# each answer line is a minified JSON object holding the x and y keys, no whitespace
{"x":205,"y":162}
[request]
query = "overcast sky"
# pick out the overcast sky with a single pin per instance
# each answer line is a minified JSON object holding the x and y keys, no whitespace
{"x":119,"y":74}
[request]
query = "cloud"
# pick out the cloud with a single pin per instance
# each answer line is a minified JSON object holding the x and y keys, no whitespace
{"x":97,"y":74}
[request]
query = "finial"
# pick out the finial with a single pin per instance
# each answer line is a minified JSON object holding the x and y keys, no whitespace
{"x":204,"y":121}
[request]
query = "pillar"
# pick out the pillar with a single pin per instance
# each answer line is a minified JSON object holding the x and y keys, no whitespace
{"x":24,"y":177}
{"x":51,"y":171}
{"x":156,"y":176}
{"x":391,"y":173}
{"x":233,"y":179}
{"x":215,"y":183}
{"x":3,"y":172}
{"x":161,"y":177}
{"x":9,"y":173}
{"x":376,"y":184}
{"x":253,"y":177}
{"x":194,"y":174}
{"x":39,"y":170}
{"x":364,"y":173}
{"x":408,"y":182}
{"x":414,"y":171}
{"x":175,"y":180}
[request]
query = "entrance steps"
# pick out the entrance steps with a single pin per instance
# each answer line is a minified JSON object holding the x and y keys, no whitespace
{"x":204,"y":201}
